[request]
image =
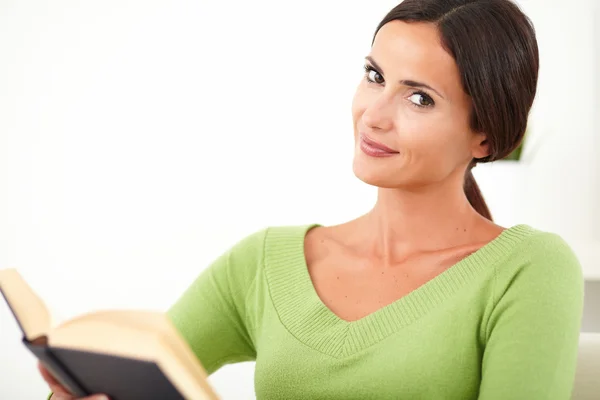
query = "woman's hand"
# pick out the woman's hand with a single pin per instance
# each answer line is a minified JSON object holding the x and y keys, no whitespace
{"x":59,"y":392}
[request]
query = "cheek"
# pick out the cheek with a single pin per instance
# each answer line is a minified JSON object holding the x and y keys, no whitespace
{"x":433,"y":143}
{"x":420,"y":134}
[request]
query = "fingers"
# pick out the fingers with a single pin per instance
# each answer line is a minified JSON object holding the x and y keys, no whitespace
{"x":46,"y":374}
{"x":57,"y":396}
{"x":59,"y":392}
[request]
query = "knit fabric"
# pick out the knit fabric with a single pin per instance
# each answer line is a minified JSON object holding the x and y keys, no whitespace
{"x":502,"y":323}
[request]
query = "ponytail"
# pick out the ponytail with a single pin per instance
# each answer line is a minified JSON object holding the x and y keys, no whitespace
{"x":474,"y":195}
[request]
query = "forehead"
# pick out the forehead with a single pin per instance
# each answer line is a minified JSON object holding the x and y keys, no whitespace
{"x":414,"y":51}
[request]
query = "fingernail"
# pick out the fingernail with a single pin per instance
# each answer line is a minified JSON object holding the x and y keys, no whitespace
{"x":101,"y":397}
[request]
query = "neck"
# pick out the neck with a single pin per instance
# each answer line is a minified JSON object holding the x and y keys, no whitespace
{"x":408,"y":221}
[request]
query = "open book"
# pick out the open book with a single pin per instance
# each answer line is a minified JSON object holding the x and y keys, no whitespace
{"x":124,"y":354}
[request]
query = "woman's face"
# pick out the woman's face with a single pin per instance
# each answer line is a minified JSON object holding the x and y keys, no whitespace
{"x":412,"y":101}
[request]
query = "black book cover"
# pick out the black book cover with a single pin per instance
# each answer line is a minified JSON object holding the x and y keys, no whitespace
{"x":85,"y":373}
{"x":40,"y":349}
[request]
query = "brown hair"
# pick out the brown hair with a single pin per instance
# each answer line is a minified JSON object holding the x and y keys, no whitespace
{"x":495,"y":49}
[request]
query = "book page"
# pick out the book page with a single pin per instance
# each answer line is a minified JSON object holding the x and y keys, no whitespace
{"x":29,"y":310}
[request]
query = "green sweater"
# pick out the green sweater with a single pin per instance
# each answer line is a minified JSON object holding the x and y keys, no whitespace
{"x":502,"y":323}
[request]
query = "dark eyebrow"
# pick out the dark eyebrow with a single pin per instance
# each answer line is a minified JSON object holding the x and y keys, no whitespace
{"x":406,"y":82}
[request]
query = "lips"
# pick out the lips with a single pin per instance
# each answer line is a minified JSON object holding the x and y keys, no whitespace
{"x":377,"y":145}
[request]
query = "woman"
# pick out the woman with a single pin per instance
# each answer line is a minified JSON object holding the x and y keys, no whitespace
{"x":423,"y":297}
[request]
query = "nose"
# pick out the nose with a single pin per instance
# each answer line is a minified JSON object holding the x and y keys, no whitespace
{"x":379,"y":114}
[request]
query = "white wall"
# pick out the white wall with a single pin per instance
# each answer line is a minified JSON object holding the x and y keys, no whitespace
{"x":139,"y":139}
{"x":562,"y":156}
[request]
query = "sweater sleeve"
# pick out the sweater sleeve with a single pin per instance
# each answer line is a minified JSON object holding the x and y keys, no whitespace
{"x":533,"y":330}
{"x":211,"y":312}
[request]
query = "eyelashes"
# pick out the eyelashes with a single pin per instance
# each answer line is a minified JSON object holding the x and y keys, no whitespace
{"x":368,"y":69}
{"x":424,"y":96}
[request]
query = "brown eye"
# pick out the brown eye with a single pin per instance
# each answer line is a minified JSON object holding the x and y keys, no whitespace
{"x":372,"y":75}
{"x":421,"y":99}
{"x":375,"y":77}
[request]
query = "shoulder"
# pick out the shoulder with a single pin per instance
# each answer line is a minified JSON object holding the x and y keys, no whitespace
{"x":250,"y":243}
{"x":543,"y":262}
{"x":549,"y":252}
{"x":261,"y":243}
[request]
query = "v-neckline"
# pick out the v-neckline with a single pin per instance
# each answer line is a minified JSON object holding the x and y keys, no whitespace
{"x":306,"y":316}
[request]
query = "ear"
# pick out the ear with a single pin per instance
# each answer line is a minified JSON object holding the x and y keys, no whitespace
{"x":480,"y":146}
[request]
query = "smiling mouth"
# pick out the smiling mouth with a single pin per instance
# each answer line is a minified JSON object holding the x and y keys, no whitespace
{"x":375,"y":149}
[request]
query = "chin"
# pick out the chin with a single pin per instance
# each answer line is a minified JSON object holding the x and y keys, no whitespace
{"x":375,"y":175}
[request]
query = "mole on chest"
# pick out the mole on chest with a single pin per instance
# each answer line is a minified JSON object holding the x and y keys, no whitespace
{"x":352,"y":294}
{"x":353,"y":288}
